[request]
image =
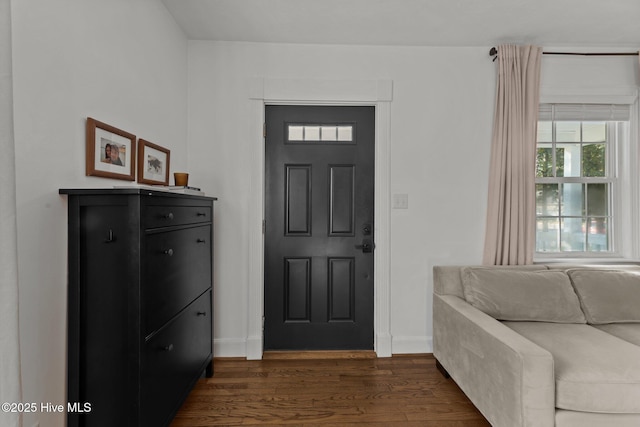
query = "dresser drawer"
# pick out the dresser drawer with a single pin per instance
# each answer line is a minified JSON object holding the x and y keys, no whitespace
{"x":172,"y":361}
{"x":178,"y":269}
{"x":169,"y":215}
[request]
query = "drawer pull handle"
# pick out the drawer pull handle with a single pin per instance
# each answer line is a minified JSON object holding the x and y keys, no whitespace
{"x":169,"y":252}
{"x":168,"y":216}
{"x":168,"y":348}
{"x":201,"y":241}
{"x":201,"y":214}
{"x":201,"y":313}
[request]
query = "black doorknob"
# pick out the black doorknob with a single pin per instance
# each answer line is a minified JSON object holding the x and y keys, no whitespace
{"x":367,"y":246}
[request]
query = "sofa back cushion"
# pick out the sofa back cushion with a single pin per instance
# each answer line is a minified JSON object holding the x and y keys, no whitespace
{"x":543,"y":296}
{"x":447,"y":279}
{"x":608,"y":296}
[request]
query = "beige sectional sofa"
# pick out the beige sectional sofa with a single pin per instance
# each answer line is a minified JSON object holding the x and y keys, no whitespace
{"x":542,"y":345}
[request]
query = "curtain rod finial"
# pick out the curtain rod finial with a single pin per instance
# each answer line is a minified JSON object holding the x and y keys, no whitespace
{"x":494,"y":52}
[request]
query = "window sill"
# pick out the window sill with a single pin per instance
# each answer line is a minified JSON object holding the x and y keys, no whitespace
{"x":583,"y":260}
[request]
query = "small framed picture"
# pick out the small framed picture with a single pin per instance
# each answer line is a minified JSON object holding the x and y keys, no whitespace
{"x":111,"y":152}
{"x":153,"y":163}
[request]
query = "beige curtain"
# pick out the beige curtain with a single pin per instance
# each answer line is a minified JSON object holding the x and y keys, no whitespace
{"x":510,"y":232}
{"x":10,"y":386}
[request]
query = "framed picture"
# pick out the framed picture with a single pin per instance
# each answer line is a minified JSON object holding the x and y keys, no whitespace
{"x":111,"y":152}
{"x":153,"y":163}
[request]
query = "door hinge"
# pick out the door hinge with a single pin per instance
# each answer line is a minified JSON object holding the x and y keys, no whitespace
{"x":264,"y":130}
{"x":264,"y":226}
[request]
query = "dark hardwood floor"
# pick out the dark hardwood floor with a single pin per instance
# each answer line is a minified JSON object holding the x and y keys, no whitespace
{"x":328,"y":389}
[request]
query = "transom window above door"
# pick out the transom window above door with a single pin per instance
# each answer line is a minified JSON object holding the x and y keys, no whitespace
{"x":328,"y":133}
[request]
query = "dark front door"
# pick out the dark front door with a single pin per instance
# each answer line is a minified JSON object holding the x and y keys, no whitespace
{"x":319,"y":227}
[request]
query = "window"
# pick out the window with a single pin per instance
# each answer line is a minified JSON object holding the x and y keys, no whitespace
{"x":576,"y":177}
{"x":320,"y":133}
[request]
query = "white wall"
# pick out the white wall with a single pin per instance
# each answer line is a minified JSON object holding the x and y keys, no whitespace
{"x":122,"y":62}
{"x":441,"y":125}
{"x":441,"y":117}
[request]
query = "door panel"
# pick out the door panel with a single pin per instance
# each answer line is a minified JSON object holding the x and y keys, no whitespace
{"x":298,"y":200}
{"x":341,"y":289}
{"x":319,"y":177}
{"x":297,"y":289}
{"x":341,"y":203}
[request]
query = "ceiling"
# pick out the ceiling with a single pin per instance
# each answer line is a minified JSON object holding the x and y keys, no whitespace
{"x":575,"y":23}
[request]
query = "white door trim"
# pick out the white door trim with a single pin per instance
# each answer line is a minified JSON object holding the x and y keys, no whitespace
{"x":378,"y":93}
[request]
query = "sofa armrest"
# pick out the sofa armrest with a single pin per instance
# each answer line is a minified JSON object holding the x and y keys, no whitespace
{"x":509,"y":378}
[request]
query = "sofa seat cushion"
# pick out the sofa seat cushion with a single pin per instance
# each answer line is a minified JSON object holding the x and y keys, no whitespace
{"x":507,"y":294}
{"x":594,"y":371}
{"x":627,"y":331}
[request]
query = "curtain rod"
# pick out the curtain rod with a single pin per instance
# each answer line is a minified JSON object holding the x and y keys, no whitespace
{"x":494,"y":52}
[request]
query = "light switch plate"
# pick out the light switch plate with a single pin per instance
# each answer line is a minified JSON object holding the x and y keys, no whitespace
{"x":400,"y":201}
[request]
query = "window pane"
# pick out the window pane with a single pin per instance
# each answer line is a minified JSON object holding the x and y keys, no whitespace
{"x":572,"y":200}
{"x":345,"y":133}
{"x":598,"y":240}
{"x":559,"y":161}
{"x":594,"y":131}
{"x":568,"y":131}
{"x":547,"y":200}
{"x":312,"y":133}
{"x":544,"y":132}
{"x":296,"y":133}
{"x":570,"y":164}
{"x":593,"y":160}
{"x":544,"y":161}
{"x":572,"y":237}
{"x":597,"y":200}
{"x":547,"y":234}
{"x":329,"y":133}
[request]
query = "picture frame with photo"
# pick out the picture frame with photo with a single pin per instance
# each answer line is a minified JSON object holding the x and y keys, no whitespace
{"x":153,"y":163}
{"x":110,"y":152}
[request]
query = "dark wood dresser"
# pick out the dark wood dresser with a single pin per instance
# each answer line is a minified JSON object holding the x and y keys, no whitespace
{"x":139,"y":303}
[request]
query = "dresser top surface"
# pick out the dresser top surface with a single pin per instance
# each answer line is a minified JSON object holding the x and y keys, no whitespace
{"x":142,"y":191}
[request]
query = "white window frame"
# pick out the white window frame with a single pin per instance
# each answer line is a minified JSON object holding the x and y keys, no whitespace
{"x":624,"y":162}
{"x":611,"y":179}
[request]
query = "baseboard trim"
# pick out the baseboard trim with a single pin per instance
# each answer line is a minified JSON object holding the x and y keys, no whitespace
{"x":229,"y":347}
{"x":412,"y":344}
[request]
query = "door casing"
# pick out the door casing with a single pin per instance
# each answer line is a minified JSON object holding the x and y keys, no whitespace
{"x":377,"y":93}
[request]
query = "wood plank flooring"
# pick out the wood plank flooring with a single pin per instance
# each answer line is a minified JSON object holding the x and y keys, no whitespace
{"x":328,"y":389}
